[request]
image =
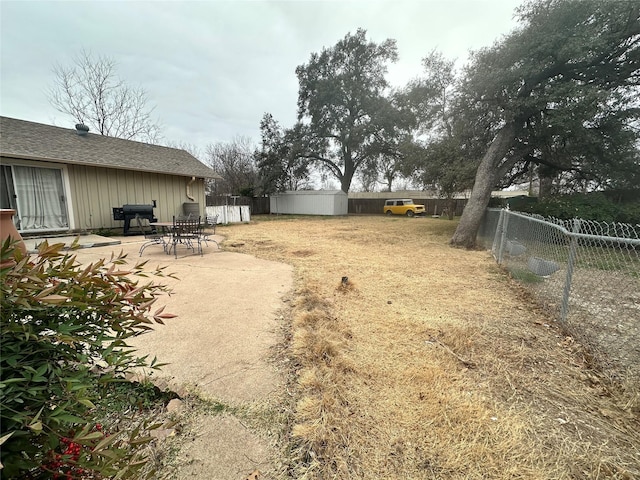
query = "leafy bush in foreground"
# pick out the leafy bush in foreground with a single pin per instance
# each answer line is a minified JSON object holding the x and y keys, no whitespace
{"x":64,"y":340}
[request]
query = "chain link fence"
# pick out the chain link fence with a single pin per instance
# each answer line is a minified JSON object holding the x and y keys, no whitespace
{"x":586,"y":272}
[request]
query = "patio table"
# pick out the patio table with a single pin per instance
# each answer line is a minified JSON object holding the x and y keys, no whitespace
{"x":181,"y":231}
{"x":167,"y":225}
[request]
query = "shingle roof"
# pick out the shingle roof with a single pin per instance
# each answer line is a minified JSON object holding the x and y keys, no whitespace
{"x":29,"y":140}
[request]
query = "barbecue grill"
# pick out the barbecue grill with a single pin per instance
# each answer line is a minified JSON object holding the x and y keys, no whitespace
{"x":129,"y":212}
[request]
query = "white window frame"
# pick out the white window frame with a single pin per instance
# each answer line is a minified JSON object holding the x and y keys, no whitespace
{"x":66,"y":186}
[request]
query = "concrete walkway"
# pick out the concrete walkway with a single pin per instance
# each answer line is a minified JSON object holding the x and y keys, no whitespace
{"x":84,"y":241}
{"x":227,"y":306}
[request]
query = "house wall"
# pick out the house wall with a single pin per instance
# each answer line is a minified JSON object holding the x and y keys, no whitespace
{"x":310,"y":203}
{"x":92,"y":192}
{"x":95,"y":191}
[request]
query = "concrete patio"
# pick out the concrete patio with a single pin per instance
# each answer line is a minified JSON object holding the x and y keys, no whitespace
{"x":227,"y":306}
{"x":84,"y":241}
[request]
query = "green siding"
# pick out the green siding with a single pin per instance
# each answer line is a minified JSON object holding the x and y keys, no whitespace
{"x":96,"y":190}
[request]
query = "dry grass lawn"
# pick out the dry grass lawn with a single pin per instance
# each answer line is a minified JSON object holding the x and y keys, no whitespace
{"x":428,"y":362}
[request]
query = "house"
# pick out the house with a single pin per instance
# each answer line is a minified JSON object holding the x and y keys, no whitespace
{"x":69,"y":180}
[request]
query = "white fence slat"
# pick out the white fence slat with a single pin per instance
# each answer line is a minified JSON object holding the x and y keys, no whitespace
{"x":230,"y":213}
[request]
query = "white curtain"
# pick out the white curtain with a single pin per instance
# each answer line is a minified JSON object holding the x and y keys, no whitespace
{"x":40,"y":198}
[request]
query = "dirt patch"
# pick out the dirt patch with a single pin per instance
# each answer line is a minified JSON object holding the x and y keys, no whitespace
{"x":432,"y":363}
{"x":302,"y":253}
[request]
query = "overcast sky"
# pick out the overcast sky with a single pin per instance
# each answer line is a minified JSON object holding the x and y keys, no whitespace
{"x":213,"y":68}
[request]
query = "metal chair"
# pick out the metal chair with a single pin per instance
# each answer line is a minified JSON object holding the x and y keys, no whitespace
{"x":212,"y":220}
{"x":152,"y":236}
{"x":187,"y":232}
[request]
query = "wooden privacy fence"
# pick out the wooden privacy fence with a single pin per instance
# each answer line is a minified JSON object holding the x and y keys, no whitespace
{"x":367,"y":206}
{"x":433,"y":206}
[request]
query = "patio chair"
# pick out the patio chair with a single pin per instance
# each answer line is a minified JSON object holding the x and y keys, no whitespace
{"x":187,"y":232}
{"x":151,"y":235}
{"x":212,"y":220}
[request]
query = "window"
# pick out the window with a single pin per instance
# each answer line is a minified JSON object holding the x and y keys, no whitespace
{"x":39,"y":197}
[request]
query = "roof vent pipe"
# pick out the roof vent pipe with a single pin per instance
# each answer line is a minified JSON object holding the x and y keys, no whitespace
{"x":81,"y":129}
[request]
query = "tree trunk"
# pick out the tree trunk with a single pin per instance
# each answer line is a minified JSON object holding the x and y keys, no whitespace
{"x":546,"y":185}
{"x":345,"y":184}
{"x":451,"y":208}
{"x":347,"y":177}
{"x":465,"y":234}
{"x":349,"y":170}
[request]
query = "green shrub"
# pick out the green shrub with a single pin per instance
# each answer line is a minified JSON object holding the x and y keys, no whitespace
{"x":588,"y":206}
{"x":64,"y":340}
{"x":629,"y":213}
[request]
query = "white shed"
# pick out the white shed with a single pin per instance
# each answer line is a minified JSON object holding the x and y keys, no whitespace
{"x":310,"y":202}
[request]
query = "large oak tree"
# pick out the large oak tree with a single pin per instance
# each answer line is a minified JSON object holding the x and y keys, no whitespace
{"x":443,"y":156}
{"x":345,"y":112}
{"x":279,"y":161}
{"x":572,"y":67}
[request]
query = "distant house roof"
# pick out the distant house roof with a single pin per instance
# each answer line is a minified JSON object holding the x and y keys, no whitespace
{"x":36,"y":141}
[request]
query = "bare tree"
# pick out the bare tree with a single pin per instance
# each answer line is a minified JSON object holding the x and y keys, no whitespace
{"x":190,"y":148}
{"x":90,"y":91}
{"x":235,"y":162}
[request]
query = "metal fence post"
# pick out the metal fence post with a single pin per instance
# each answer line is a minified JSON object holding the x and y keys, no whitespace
{"x":504,"y":215}
{"x":496,"y":235}
{"x":573,"y":247}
